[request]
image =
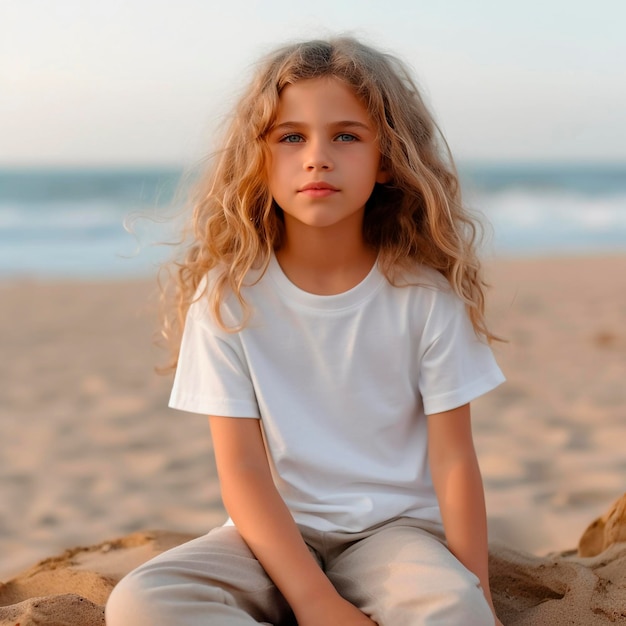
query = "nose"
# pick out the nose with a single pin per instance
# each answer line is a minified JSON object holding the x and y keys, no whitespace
{"x":317,"y":157}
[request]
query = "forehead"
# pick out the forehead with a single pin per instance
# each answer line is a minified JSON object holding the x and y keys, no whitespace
{"x":320,"y":98}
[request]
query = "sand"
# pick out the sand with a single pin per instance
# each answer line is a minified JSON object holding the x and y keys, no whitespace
{"x":89,"y":451}
{"x":561,"y":589}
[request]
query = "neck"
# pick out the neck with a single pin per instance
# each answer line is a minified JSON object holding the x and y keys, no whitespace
{"x":325,"y":261}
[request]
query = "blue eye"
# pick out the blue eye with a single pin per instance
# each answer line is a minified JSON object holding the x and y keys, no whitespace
{"x":346,"y":137}
{"x":292,"y":138}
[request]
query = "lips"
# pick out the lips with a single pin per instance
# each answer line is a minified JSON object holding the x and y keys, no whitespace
{"x":318,"y":186}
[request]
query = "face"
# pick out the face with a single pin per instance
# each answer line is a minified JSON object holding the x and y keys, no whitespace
{"x":324,"y":156}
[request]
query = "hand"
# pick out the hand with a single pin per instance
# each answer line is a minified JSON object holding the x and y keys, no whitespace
{"x":334,"y":611}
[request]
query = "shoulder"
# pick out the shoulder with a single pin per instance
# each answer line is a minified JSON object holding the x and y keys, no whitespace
{"x":429,"y":287}
{"x":432,"y":304}
{"x":421,"y":301}
{"x":214,"y":292}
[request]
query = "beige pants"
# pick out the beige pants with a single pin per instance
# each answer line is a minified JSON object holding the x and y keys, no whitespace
{"x":399,"y":573}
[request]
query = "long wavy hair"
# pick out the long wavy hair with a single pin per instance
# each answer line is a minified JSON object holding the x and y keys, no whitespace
{"x":417,"y":217}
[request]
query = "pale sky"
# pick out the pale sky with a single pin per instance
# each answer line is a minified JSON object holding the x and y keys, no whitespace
{"x":144,"y":82}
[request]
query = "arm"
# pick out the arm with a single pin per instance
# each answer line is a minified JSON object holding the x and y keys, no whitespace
{"x":459,"y":488}
{"x":266,"y":525}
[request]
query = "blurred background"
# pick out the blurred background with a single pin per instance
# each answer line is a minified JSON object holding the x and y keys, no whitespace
{"x":103,"y":105}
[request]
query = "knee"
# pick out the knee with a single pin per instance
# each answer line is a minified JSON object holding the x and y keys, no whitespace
{"x":159,"y":593}
{"x":147,"y":596}
{"x":466,"y":605}
{"x":130,"y":602}
{"x":460,"y":601}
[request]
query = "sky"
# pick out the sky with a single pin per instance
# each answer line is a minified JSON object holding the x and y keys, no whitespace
{"x":147,"y":82}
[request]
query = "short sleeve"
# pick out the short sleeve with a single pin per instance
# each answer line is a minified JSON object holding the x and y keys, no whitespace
{"x":456,"y":365}
{"x":212,"y":375}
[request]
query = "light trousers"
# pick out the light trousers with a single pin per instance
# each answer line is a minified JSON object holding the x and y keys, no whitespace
{"x":399,"y":574}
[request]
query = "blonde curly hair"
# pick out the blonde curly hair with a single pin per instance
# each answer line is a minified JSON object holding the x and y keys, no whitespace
{"x":417,"y":217}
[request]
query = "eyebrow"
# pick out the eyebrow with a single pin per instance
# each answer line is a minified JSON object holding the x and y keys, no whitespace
{"x":339,"y":124}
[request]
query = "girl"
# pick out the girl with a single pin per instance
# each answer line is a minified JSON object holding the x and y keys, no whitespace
{"x":334,"y":332}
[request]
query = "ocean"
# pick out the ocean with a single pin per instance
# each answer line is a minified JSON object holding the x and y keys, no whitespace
{"x":65,"y":223}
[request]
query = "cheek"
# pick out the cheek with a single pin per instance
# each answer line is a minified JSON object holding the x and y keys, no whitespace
{"x":277,"y":179}
{"x":371,"y":166}
{"x":275,"y":165}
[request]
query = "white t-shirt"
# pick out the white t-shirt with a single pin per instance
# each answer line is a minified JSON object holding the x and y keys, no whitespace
{"x":342,"y":385}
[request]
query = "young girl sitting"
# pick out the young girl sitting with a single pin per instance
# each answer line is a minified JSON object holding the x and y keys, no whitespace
{"x":332,"y":319}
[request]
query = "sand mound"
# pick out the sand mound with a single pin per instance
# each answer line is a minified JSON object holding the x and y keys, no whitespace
{"x":63,"y":610}
{"x":559,"y":590}
{"x":605,"y":531}
{"x":573,"y":589}
{"x":72,"y":588}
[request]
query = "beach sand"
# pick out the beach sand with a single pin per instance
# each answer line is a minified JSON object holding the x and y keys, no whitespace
{"x":89,"y":450}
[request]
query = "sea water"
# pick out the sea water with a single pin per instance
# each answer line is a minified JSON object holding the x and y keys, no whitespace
{"x":86,"y":223}
{"x":112,"y":223}
{"x":547,"y":210}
